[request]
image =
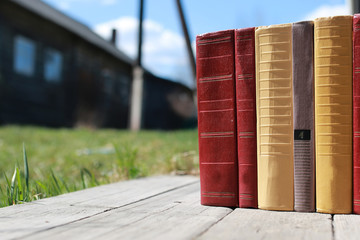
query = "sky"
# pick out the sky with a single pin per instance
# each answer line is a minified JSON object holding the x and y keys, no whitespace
{"x":164,"y":48}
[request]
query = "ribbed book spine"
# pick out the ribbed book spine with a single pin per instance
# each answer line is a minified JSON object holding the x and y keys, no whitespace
{"x":273,"y":48}
{"x":333,"y":113}
{"x":303,"y":101}
{"x":246,"y":116}
{"x":217,"y":118}
{"x":356,"y":113}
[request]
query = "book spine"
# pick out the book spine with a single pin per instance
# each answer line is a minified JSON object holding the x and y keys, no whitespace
{"x":246,"y":116}
{"x":303,"y":102}
{"x":217,"y":118}
{"x":333,"y":113}
{"x":273,"y":48}
{"x":356,"y":113}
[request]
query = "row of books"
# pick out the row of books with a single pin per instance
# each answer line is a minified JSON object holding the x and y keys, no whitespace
{"x":278,"y":116}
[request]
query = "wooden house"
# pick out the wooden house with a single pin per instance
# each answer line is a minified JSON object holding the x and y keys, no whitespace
{"x":55,"y":71}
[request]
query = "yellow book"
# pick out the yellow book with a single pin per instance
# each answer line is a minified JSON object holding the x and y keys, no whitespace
{"x":273,"y":46}
{"x":333,"y":113}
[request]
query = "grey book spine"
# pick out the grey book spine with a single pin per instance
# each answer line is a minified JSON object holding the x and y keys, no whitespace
{"x":303,"y":102}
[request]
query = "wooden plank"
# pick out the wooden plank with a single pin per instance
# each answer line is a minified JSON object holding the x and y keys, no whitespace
{"x":262,"y":224}
{"x":346,"y":226}
{"x":172,"y":215}
{"x":26,"y":219}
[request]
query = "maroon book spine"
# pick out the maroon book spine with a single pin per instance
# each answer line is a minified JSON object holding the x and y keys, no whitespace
{"x":246,"y":116}
{"x":217,"y":118}
{"x":356,"y":113}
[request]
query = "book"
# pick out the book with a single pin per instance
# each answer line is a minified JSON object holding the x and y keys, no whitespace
{"x":356,"y":114}
{"x":273,"y":48}
{"x":333,"y":113}
{"x":215,"y":63}
{"x":246,"y":116}
{"x":303,"y":118}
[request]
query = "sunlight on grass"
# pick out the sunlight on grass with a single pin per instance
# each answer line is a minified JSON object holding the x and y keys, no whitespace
{"x":56,"y":161}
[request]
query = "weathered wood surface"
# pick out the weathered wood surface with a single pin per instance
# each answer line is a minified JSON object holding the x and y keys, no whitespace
{"x":166,"y":207}
{"x":347,"y":227}
{"x":261,"y":224}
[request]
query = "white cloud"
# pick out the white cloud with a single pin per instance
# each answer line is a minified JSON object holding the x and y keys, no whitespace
{"x":164,"y":51}
{"x":328,"y":10}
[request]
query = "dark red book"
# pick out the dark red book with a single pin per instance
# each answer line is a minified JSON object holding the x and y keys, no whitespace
{"x":356,"y":113}
{"x":246,"y":116}
{"x":217,"y":118}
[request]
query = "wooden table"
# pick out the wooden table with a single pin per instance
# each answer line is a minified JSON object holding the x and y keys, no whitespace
{"x":164,"y":207}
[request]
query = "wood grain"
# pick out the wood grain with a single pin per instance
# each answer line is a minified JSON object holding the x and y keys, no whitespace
{"x":172,"y":215}
{"x":166,"y":207}
{"x":26,"y":219}
{"x":260,"y":224}
{"x":346,"y":226}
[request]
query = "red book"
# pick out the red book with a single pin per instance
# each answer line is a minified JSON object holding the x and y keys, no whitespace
{"x":217,"y":118}
{"x":246,"y":116}
{"x":356,"y":113}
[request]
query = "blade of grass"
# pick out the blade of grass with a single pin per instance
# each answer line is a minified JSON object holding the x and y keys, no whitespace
{"x":7,"y":180}
{"x":8,"y":196}
{"x":64,"y":184}
{"x":56,"y":182}
{"x":19,"y":185}
{"x":83,"y":181}
{"x":93,"y":182}
{"x":43,"y":187}
{"x":12,"y":187}
{"x":26,"y":168}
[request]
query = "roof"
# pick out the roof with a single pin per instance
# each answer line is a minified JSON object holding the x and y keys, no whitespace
{"x":44,"y":10}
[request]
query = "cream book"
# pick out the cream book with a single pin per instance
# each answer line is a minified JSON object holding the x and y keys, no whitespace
{"x":333,"y":113}
{"x":274,"y":106}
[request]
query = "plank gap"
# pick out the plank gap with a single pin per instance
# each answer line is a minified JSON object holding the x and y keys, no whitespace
{"x":218,"y":221}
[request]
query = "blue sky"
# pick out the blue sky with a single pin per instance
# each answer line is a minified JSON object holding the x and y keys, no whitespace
{"x":164,"y":47}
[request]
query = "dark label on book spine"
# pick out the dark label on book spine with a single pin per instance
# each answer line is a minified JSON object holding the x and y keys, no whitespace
{"x":302,"y":135}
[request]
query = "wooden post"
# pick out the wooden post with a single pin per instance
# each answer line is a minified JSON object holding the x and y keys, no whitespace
{"x":136,"y":98}
{"x":354,"y":6}
{"x":189,"y":48}
{"x":138,"y":81}
{"x":187,"y":39}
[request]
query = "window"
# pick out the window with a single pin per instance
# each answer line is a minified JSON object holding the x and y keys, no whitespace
{"x":52,"y":65}
{"x":24,"y":56}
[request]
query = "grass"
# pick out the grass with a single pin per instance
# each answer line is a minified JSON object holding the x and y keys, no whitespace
{"x":56,"y":161}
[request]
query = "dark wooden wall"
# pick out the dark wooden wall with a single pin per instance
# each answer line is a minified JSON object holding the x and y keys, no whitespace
{"x":158,"y":110}
{"x":95,"y":86}
{"x":79,"y":98}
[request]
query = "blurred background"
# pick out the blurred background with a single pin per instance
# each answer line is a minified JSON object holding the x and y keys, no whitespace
{"x":93,"y":63}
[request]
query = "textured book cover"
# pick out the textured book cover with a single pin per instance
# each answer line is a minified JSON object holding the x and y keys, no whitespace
{"x":333,"y":113}
{"x":303,"y":119}
{"x":246,"y":115}
{"x":356,"y":113}
{"x":273,"y":48}
{"x":217,"y":118}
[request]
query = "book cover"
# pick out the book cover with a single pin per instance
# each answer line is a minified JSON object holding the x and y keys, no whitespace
{"x":303,"y":119}
{"x":333,"y":113}
{"x":246,"y":116}
{"x":356,"y":114}
{"x":217,"y":118}
{"x":273,"y":48}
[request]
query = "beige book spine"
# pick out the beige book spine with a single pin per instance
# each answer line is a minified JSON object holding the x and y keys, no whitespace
{"x":274,"y":117}
{"x":333,"y":113}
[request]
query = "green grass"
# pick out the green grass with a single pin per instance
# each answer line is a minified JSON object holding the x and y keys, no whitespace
{"x":56,"y":161}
